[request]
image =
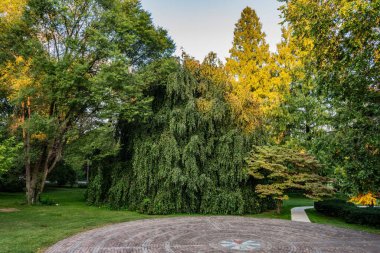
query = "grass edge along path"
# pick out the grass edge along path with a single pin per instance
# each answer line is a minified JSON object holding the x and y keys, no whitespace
{"x":319,"y":218}
{"x":34,"y":228}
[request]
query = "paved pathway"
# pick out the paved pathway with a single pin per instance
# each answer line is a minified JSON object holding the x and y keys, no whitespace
{"x":8,"y":210}
{"x":299,"y":214}
{"x":219,"y":234}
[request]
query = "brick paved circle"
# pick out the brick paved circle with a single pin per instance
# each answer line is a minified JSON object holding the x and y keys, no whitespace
{"x":219,"y":234}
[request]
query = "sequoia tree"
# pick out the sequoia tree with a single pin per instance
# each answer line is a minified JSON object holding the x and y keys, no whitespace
{"x":63,"y":61}
{"x":254,"y":94}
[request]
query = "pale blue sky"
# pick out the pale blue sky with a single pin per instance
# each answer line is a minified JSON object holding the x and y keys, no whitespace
{"x":201,"y":26}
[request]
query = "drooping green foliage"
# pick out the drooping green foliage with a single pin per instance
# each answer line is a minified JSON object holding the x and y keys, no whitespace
{"x":189,"y":155}
{"x":280,"y":169}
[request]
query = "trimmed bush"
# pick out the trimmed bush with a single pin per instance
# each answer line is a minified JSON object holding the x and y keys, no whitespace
{"x":349,"y":212}
{"x":364,"y":216}
{"x":333,"y":207}
{"x":63,"y":174}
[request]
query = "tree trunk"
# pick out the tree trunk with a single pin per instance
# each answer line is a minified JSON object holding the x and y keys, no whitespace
{"x":43,"y":179}
{"x":35,"y":183}
{"x":308,"y":132}
{"x":32,"y":186}
{"x":30,"y":175}
{"x":278,"y":206}
{"x":37,"y":172}
{"x":36,"y":177}
{"x":31,"y":195}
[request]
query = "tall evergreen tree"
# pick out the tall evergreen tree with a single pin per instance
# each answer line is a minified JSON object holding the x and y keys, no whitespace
{"x":253,"y":94}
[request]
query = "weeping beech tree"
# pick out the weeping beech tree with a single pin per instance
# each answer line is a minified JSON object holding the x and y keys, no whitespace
{"x":189,"y":155}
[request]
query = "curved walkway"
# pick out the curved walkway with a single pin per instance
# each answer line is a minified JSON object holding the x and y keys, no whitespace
{"x":219,"y":234}
{"x":299,"y":214}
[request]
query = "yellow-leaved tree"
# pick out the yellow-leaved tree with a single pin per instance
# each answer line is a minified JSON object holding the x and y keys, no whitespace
{"x":299,"y":109}
{"x":11,"y":10}
{"x":254,"y":94}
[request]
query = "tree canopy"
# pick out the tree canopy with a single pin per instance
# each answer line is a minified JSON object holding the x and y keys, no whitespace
{"x":93,"y":85}
{"x":255,"y":94}
{"x":279,"y":169}
{"x":65,"y":61}
{"x":344,"y":60}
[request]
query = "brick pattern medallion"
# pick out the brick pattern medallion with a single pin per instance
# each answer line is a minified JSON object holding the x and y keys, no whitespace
{"x":219,"y":234}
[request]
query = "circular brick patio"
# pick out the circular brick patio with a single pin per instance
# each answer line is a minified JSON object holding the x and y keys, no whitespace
{"x":219,"y":234}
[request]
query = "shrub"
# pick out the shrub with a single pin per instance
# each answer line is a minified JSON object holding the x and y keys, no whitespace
{"x":349,"y":212}
{"x":333,"y":207}
{"x":48,"y":202}
{"x":12,"y":181}
{"x":63,"y":174}
{"x":364,"y":216}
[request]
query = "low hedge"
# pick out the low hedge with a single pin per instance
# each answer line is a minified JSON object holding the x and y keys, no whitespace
{"x":349,"y":212}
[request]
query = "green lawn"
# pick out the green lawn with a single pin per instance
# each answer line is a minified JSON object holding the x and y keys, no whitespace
{"x":316,"y":217}
{"x":34,"y":228}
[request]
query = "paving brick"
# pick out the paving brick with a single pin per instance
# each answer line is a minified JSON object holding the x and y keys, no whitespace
{"x":219,"y":234}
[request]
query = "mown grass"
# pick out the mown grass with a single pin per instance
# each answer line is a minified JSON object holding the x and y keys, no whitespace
{"x":34,"y":228}
{"x":316,"y":217}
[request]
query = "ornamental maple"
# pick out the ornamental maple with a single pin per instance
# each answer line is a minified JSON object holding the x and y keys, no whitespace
{"x":279,"y":168}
